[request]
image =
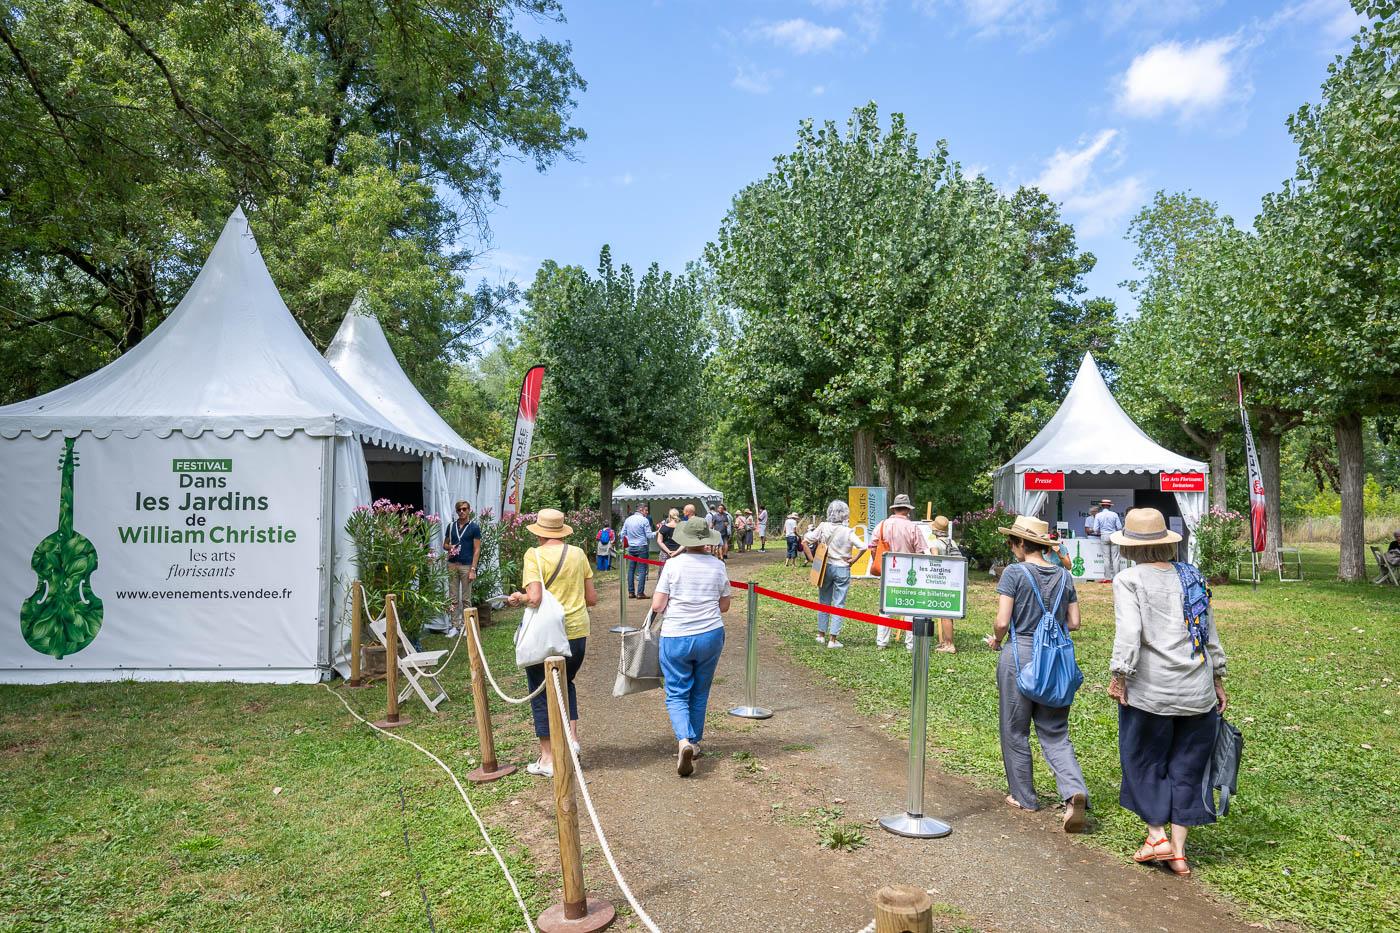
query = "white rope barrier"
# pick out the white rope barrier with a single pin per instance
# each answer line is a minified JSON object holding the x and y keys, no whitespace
{"x":515,"y":888}
{"x":491,"y":679}
{"x":455,"y":644}
{"x":642,"y":915}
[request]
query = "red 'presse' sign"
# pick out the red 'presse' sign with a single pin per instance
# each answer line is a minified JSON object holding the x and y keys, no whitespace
{"x":1045,"y":482}
{"x":1183,"y":482}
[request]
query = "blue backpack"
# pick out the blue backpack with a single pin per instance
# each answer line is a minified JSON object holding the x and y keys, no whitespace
{"x":1052,"y":675}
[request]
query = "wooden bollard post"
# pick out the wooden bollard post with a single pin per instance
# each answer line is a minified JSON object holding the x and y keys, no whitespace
{"x":357,"y":609}
{"x":578,"y":913}
{"x":902,"y":908}
{"x":391,"y":718}
{"x":490,"y":770}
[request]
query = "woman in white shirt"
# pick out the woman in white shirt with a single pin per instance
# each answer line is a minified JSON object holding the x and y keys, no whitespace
{"x":835,"y":533}
{"x":692,"y":592}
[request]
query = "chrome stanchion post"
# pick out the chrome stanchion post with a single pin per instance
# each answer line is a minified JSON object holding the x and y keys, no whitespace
{"x":751,"y":709}
{"x":622,"y":628}
{"x":912,"y":822}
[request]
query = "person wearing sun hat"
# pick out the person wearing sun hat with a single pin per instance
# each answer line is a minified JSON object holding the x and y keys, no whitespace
{"x":565,"y":571}
{"x":941,"y":542}
{"x":902,"y":536}
{"x":1107,"y":523}
{"x":792,"y":538}
{"x":1167,"y":676}
{"x":1023,"y":588}
{"x":693,"y":593}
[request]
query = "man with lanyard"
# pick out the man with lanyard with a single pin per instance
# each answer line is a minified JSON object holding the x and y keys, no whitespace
{"x":636,"y":541}
{"x":721,"y":522}
{"x":901,"y":536}
{"x":462,"y":542}
{"x":1107,"y":523}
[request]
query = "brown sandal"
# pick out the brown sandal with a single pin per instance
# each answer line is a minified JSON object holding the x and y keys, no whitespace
{"x":1152,"y":856}
{"x":1182,"y":872}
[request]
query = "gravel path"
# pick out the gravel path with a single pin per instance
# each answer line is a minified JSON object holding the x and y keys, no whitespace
{"x":736,"y":847}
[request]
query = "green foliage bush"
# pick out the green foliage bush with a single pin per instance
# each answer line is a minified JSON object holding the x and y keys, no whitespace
{"x":1220,"y":539}
{"x":513,"y":540}
{"x":396,"y":551}
{"x":980,"y":539}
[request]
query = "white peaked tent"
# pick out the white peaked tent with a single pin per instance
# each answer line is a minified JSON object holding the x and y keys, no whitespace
{"x":361,"y":354}
{"x":207,"y":474}
{"x":1091,"y":446}
{"x":670,"y":483}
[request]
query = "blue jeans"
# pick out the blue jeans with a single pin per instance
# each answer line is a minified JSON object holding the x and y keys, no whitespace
{"x":688,"y":664}
{"x":792,"y":547}
{"x":604,"y":561}
{"x":637,"y":573}
{"x":833,"y":593}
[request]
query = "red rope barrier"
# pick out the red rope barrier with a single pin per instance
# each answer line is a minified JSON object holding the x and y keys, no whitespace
{"x":845,"y":613}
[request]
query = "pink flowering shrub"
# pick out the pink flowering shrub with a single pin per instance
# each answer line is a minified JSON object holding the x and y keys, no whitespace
{"x":1221,"y":542}
{"x":978,"y":535}
{"x":513,"y":540}
{"x":398,"y":550}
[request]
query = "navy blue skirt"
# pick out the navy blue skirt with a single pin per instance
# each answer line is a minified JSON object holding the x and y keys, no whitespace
{"x":1164,"y":762}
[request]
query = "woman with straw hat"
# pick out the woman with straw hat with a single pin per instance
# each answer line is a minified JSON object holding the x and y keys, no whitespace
{"x":565,"y":571}
{"x":1168,"y":680}
{"x":693,"y":593}
{"x":941,"y":542}
{"x":1023,"y":590}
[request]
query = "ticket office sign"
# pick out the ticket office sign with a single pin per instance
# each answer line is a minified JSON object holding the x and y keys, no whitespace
{"x":923,"y":585}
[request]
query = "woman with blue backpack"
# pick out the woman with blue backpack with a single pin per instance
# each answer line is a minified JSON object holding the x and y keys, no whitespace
{"x":1167,"y":671}
{"x":1037,"y":608}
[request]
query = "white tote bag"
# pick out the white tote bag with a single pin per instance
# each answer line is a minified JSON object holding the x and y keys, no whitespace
{"x":541,"y":633}
{"x":639,"y":666}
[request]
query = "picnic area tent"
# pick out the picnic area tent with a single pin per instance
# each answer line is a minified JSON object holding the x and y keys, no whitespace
{"x":667,"y":486}
{"x":1091,"y":449}
{"x":456,"y":470}
{"x":203,"y":481}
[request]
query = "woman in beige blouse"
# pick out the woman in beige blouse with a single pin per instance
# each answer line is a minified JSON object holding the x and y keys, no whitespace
{"x":835,"y":533}
{"x":1169,"y":690}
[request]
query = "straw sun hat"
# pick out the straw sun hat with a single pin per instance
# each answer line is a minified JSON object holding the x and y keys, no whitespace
{"x":696,"y":532}
{"x":1030,"y":529}
{"x":1144,"y":526}
{"x":549,"y":523}
{"x":901,"y":501}
{"x":940,"y":523}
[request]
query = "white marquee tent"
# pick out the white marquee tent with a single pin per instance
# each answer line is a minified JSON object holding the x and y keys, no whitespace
{"x":671,"y":483}
{"x":361,"y":354}
{"x":1091,"y":446}
{"x":206,"y":476}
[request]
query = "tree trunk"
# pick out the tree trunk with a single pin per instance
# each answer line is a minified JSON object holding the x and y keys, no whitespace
{"x":894,"y":476}
{"x":605,"y":488}
{"x":1351,"y":465}
{"x":863,"y":458}
{"x":1217,"y":475}
{"x":1270,"y":442}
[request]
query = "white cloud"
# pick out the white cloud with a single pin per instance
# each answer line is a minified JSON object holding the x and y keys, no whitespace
{"x":866,"y":15}
{"x":801,"y":35}
{"x":1073,"y":177}
{"x":1186,"y":78}
{"x":1025,"y":18}
{"x":753,"y":80}
{"x":623,"y":180}
{"x":1101,"y":211}
{"x":818,"y":90}
{"x":1150,"y":16}
{"x":1335,"y":20}
{"x":1067,"y":171}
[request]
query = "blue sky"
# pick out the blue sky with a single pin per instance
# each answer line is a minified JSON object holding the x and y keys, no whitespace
{"x":1100,"y":103}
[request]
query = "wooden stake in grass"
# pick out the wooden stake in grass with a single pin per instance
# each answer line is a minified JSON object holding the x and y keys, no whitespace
{"x":357,"y":608}
{"x":391,"y":718}
{"x":901,"y":908}
{"x":578,"y":913}
{"x":485,"y":739}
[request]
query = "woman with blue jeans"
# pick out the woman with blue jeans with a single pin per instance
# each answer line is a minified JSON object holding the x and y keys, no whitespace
{"x":835,"y":533}
{"x":692,"y":592}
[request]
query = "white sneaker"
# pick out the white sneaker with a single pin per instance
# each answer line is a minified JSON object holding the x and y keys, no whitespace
{"x":821,"y":639}
{"x":451,"y":633}
{"x":833,"y":643}
{"x":539,"y":770}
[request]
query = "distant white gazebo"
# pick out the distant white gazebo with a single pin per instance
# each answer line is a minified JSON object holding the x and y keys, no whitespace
{"x":1091,"y":450}
{"x":669,"y":486}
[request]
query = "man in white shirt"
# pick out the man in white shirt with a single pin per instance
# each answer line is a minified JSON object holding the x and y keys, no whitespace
{"x":1106,"y":524}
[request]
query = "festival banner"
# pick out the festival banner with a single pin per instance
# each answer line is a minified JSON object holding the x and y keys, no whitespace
{"x":1258,"y":518}
{"x":178,"y":558}
{"x":524,"y":433}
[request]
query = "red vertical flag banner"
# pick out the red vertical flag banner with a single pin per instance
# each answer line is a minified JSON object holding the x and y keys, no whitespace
{"x":514,"y":490}
{"x":1258,"y":518}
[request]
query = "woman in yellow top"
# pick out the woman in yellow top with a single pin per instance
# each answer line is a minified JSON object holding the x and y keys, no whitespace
{"x":566,"y":572}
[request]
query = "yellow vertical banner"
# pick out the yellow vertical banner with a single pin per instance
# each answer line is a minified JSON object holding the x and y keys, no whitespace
{"x":862,"y":523}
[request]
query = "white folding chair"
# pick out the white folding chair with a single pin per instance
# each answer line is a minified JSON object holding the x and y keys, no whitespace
{"x":1290,"y":564}
{"x":414,"y":665}
{"x":1388,"y":573}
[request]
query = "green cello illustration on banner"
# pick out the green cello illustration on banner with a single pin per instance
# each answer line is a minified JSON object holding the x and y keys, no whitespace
{"x":63,"y":615}
{"x":1076,"y":566}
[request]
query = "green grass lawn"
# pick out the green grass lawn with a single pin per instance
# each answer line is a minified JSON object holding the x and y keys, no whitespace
{"x":157,"y":806}
{"x":1313,"y":674}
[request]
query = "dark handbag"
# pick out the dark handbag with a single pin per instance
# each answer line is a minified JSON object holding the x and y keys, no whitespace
{"x":1223,"y":769}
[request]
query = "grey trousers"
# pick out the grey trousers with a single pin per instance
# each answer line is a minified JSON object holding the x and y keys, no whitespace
{"x":1051,"y":730}
{"x":1112,"y":559}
